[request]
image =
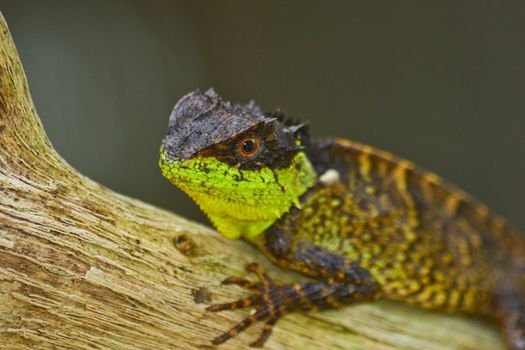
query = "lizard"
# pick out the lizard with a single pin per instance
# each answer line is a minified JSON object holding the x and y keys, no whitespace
{"x":363,"y":223}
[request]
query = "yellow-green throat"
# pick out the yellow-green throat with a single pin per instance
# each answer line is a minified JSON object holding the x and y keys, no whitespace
{"x":240,"y":202}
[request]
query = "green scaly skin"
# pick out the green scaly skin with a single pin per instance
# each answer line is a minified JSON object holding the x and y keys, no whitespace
{"x":364,"y":223}
{"x":240,"y":208}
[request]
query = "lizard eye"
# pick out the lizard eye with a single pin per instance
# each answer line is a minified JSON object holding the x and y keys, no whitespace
{"x":249,"y":146}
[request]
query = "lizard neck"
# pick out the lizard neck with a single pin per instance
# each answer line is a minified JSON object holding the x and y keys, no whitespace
{"x":258,"y":199}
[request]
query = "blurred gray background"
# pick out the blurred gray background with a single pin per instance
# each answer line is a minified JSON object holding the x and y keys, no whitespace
{"x":441,"y":83}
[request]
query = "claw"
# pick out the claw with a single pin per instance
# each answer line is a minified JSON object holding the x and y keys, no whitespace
{"x":266,"y":332}
{"x":239,"y":327}
{"x":241,"y":282}
{"x":238,"y":304}
{"x":266,"y":281}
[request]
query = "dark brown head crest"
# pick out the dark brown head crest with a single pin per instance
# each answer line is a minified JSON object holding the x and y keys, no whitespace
{"x":203,"y":124}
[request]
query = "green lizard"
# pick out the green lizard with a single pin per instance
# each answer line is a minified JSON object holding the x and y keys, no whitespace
{"x":362,"y":222}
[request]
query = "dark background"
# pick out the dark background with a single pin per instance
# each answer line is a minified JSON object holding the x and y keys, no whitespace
{"x":441,"y":83}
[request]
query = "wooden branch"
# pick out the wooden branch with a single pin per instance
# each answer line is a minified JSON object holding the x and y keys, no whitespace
{"x":82,"y":267}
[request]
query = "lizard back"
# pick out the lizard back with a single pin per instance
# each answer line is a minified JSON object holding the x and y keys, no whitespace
{"x":427,"y":242}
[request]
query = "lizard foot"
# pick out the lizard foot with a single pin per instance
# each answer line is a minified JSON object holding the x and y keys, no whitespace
{"x":270,"y":301}
{"x":265,"y":301}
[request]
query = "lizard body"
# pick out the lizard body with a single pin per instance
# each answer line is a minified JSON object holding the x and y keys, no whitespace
{"x":363,"y":222}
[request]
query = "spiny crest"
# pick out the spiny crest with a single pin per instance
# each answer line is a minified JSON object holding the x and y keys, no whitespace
{"x":202,"y":124}
{"x":287,"y":120}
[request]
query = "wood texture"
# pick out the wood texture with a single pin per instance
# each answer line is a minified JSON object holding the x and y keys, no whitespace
{"x":82,"y":267}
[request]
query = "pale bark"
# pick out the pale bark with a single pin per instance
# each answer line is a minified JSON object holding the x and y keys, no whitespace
{"x":82,"y":267}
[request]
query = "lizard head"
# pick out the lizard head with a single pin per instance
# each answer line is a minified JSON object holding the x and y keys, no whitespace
{"x":244,"y":168}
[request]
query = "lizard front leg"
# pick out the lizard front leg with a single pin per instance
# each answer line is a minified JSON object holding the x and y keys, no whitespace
{"x":341,"y":282}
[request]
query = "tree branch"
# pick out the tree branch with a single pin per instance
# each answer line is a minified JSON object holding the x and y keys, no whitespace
{"x":82,"y":267}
